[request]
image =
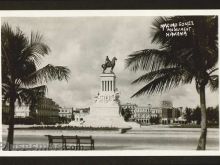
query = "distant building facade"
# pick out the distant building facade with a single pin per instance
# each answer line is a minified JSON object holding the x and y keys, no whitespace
{"x":66,"y":112}
{"x":142,"y":114}
{"x":164,"y":114}
{"x":47,"y":111}
{"x":66,"y":115}
{"x":156,"y":112}
{"x":132,"y":108}
{"x":80,"y":113}
{"x":20,"y":112}
{"x":169,"y":113}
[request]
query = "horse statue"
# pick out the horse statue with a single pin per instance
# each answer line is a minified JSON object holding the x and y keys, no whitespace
{"x":109,"y":64}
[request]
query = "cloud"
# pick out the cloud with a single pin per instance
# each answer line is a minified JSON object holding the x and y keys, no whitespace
{"x":82,"y":43}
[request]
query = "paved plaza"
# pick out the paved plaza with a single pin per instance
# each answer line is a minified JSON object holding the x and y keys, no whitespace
{"x":144,"y":138}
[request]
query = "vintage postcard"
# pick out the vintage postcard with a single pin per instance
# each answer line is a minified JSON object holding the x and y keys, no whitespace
{"x":110,"y":82}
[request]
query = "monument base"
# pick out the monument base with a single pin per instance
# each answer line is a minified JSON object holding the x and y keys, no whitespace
{"x":105,"y":116}
{"x":105,"y":110}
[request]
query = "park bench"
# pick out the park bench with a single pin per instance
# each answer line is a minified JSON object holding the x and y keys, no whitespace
{"x":70,"y":142}
{"x":86,"y":142}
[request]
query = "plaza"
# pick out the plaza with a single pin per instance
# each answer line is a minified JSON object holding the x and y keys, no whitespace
{"x":144,"y":138}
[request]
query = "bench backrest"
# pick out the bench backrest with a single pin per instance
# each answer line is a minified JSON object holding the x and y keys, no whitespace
{"x":68,"y":139}
{"x":84,"y":137}
{"x":55,"y":139}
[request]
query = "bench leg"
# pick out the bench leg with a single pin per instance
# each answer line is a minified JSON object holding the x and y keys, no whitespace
{"x":78,"y":147}
{"x":50,"y":146}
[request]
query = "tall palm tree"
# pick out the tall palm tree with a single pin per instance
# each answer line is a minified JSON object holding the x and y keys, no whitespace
{"x":180,"y":60}
{"x":21,"y":74}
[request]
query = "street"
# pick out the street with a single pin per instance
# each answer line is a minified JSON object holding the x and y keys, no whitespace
{"x":144,"y":138}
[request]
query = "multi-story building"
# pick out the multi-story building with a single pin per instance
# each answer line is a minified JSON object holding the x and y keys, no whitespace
{"x":80,"y":113}
{"x":131,"y":107}
{"x":66,"y":112}
{"x":164,"y":114}
{"x":156,"y":112}
{"x":156,"y":115}
{"x":21,"y":112}
{"x":179,"y":116}
{"x":47,"y":111}
{"x":169,"y":113}
{"x":143,"y":114}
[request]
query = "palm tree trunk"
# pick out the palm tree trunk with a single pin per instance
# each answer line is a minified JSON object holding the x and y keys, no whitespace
{"x":10,"y":138}
{"x":202,"y":139}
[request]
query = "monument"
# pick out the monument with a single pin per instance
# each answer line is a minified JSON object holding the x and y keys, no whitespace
{"x":105,"y":111}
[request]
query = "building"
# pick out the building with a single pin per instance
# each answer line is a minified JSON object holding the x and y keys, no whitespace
{"x":21,"y":112}
{"x":73,"y":114}
{"x":143,"y":114}
{"x":131,"y":107}
{"x":166,"y":104}
{"x":169,"y":113}
{"x":164,"y":114}
{"x":179,"y":116}
{"x":80,"y":114}
{"x":47,"y":111}
{"x":66,"y":112}
{"x":156,"y":112}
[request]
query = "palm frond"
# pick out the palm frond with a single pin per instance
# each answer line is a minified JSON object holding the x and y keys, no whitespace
{"x":149,"y":59}
{"x":213,"y":82}
{"x":157,"y":30}
{"x":5,"y":92}
{"x":193,"y":56}
{"x":161,"y":84}
{"x":48,"y":73}
{"x":150,"y":76}
{"x":28,"y":95}
{"x":36,"y":49}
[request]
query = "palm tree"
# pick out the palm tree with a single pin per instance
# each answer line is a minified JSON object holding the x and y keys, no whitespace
{"x":21,"y":74}
{"x":180,"y":60}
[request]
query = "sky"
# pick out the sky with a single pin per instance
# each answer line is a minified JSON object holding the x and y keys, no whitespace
{"x":82,"y":44}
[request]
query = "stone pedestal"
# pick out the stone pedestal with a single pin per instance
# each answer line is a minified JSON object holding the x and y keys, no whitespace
{"x":105,"y":112}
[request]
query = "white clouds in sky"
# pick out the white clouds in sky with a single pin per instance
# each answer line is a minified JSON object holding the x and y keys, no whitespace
{"x":82,"y":43}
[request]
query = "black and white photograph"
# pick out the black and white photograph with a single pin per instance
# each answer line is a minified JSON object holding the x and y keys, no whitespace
{"x":110,"y":83}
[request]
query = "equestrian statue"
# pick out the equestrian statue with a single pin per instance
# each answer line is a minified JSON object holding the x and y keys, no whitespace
{"x":109,"y":64}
